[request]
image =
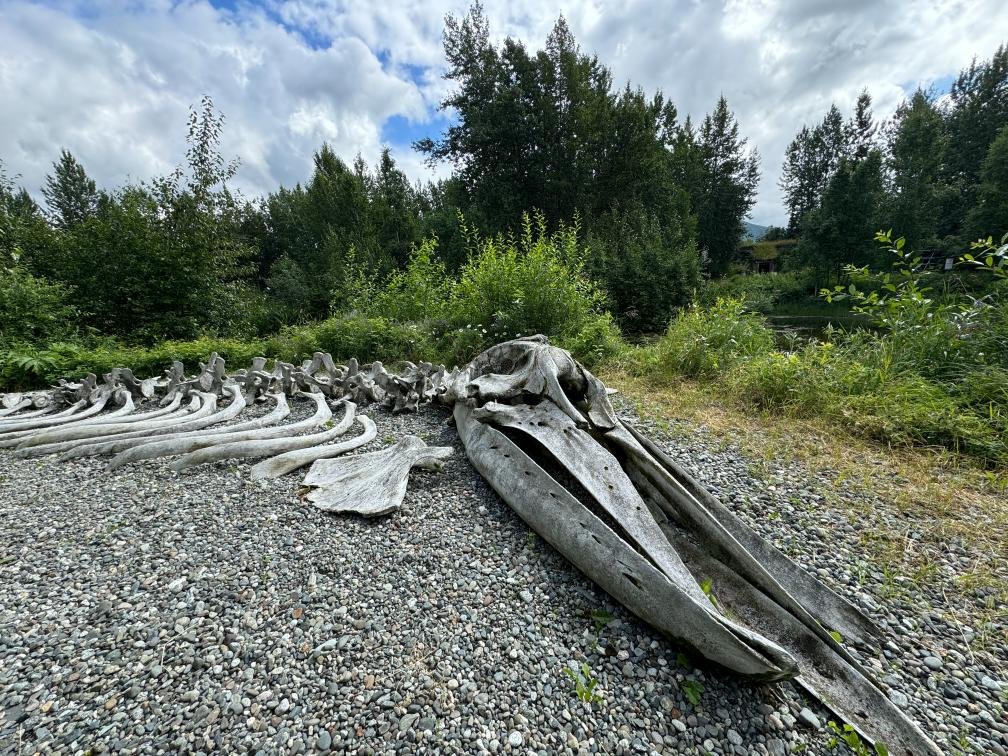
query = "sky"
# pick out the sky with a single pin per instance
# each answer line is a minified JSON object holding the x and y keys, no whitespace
{"x":113,"y":81}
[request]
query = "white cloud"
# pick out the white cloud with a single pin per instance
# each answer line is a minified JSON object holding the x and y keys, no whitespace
{"x":113,"y":85}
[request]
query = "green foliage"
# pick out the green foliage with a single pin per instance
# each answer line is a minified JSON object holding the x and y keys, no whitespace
{"x":585,"y":685}
{"x":707,"y":586}
{"x":848,"y":735}
{"x":24,"y":369}
{"x":705,"y":342}
{"x":601,"y":618}
{"x":630,"y":239}
{"x":693,"y":691}
{"x":809,"y":162}
{"x":419,"y":292}
{"x":940,"y":339}
{"x":978,"y":110}
{"x":726,"y":190}
{"x":70,"y":193}
{"x":989,"y":217}
{"x":917,"y":145}
{"x":840,"y":231}
{"x":762,"y":293}
{"x":365,"y":338}
{"x":933,"y":371}
{"x":535,"y":284}
{"x":33,"y":310}
{"x":459,"y":345}
{"x":599,"y":342}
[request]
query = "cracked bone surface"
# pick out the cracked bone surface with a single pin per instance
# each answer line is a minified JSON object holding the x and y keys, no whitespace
{"x":373,"y":483}
{"x":542,"y":432}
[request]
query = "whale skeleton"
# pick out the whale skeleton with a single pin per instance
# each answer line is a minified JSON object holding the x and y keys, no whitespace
{"x":541,"y":430}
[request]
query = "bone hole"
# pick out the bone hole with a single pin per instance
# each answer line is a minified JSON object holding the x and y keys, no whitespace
{"x":527,"y":472}
{"x":552,"y":495}
{"x":633,"y":579}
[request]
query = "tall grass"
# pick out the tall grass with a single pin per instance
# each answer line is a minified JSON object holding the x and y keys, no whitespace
{"x":888,"y":386}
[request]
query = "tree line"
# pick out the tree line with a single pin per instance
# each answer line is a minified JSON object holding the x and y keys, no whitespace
{"x":936,"y":173}
{"x":656,"y":199}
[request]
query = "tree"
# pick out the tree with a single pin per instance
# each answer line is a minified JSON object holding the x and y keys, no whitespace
{"x":545,"y":131}
{"x":394,"y":210}
{"x":859,"y":136}
{"x":813,"y":157}
{"x":800,"y":178}
{"x":727,"y":189}
{"x":978,"y":111}
{"x":71,"y":195}
{"x":629,"y":240}
{"x":316,"y":233}
{"x":533,"y":131}
{"x":842,"y":230}
{"x":916,"y":149}
{"x":989,"y":217}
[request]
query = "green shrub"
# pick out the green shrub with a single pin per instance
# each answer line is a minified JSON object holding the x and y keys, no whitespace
{"x":911,"y":410}
{"x":459,"y":345}
{"x":344,"y":337}
{"x":762,"y":293}
{"x":533,"y":285}
{"x":706,"y":342}
{"x":420,"y":292}
{"x":646,"y":259}
{"x":597,"y":343}
{"x":32,"y":309}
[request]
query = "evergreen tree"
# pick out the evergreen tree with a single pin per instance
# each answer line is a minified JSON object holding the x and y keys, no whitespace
{"x":989,"y":217}
{"x":70,"y":193}
{"x":395,"y":210}
{"x":978,"y":111}
{"x":860,"y":129}
{"x":842,"y":230}
{"x":800,"y":179}
{"x":727,"y":190}
{"x":916,"y":148}
{"x":813,"y":157}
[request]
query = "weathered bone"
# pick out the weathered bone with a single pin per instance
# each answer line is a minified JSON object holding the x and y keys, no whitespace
{"x":297,"y":458}
{"x":135,"y":449}
{"x":13,"y":433}
{"x":264,"y":447}
{"x":14,"y":403}
{"x":58,"y":441}
{"x":12,"y":423}
{"x":371,"y":484}
{"x":611,"y":547}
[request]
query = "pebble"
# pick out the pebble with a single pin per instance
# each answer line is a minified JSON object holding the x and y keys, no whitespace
{"x":809,"y":719}
{"x":324,"y":741}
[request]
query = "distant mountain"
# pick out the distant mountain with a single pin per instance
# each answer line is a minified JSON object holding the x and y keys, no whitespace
{"x":754,"y":231}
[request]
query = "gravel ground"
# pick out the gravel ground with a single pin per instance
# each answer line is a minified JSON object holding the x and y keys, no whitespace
{"x":154,"y":611}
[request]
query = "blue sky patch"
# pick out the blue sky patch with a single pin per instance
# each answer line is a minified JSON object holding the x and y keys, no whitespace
{"x":401,"y":131}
